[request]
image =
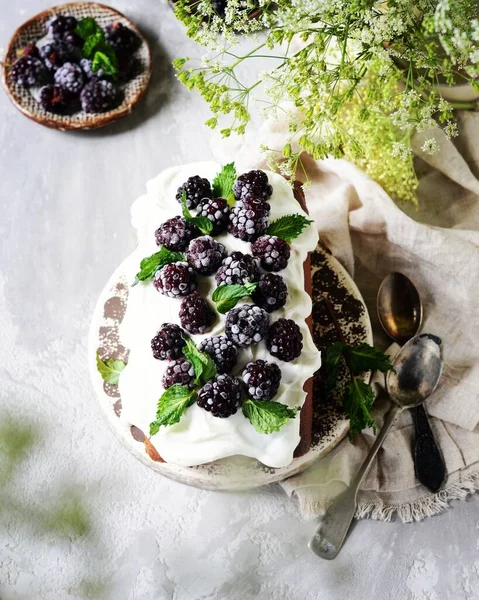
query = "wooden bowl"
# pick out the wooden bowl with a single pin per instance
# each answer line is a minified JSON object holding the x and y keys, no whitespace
{"x":34,"y":29}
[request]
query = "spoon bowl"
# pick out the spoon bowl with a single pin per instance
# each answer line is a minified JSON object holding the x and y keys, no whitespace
{"x":399,"y":307}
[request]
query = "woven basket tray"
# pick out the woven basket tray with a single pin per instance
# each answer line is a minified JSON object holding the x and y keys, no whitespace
{"x":34,"y":29}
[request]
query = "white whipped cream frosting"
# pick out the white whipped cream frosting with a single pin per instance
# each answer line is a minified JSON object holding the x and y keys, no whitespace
{"x":200,"y":437}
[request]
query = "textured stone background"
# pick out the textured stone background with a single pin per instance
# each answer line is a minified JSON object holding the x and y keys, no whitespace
{"x":65,"y":226}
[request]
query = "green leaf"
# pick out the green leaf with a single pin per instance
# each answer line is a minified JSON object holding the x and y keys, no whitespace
{"x":358,"y":400}
{"x":110,"y":368}
{"x":332,"y":363}
{"x":364,"y":357}
{"x":203,"y":364}
{"x":223,"y":183}
{"x":288,"y":227}
{"x":92,"y":42}
{"x":151,"y":264}
{"x":203,"y":223}
{"x":87,"y":27}
{"x":101,"y":60}
{"x":267,"y":416}
{"x":227,"y":296}
{"x":171,"y":406}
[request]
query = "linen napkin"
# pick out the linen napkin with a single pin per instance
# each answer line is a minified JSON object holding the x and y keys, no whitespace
{"x":437,"y":246}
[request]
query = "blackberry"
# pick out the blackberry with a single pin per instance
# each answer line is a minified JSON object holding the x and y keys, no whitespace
{"x":175,"y":280}
{"x":70,"y":77}
{"x":179,"y":372}
{"x":31,"y":50}
{"x":223,"y":352}
{"x":72,"y":38}
{"x":248,"y":220}
{"x":122,"y":39}
{"x":176,"y":233}
{"x":168,"y":342}
{"x":53,"y":99}
{"x":262,"y":379}
{"x":253,"y":184}
{"x":220,"y":396}
{"x":197,"y":188}
{"x":57,"y":53}
{"x":29,"y":71}
{"x":98,"y":96}
{"x":246,"y":325}
{"x":271,"y":292}
{"x":285,"y":340}
{"x":196,"y":315}
{"x":128,"y":67}
{"x":205,"y":254}
{"x":86,"y":65}
{"x":238,"y":268}
{"x":217,"y":211}
{"x":61,"y":25}
{"x":272,"y":251}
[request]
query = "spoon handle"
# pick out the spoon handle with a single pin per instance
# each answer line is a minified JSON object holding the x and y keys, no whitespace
{"x":334,"y":526}
{"x":428,"y":460}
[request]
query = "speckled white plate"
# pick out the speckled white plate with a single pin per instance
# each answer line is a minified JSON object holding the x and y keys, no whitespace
{"x":238,"y":472}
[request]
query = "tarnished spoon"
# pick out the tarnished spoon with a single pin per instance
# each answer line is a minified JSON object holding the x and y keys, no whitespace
{"x":400,"y":314}
{"x":418,"y":368}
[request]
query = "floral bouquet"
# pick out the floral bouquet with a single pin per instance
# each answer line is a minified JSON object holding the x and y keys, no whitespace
{"x":353,"y":78}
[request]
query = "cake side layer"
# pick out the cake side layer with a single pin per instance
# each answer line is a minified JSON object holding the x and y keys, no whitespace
{"x":199,"y":437}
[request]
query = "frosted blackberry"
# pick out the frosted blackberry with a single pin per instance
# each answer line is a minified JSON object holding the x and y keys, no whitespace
{"x":31,"y":50}
{"x":70,"y":77}
{"x":272,"y":251}
{"x":221,"y":396}
{"x":176,"y":233}
{"x":61,"y":25}
{"x":53,"y":99}
{"x":57,"y":53}
{"x":98,"y":96}
{"x":271,"y":293}
{"x":262,"y":379}
{"x":72,"y":38}
{"x":197,"y":188}
{"x":285,"y":340}
{"x":252,"y":184}
{"x":246,"y":325}
{"x":196,"y":315}
{"x":175,"y":280}
{"x":248,"y":220}
{"x":29,"y":71}
{"x":217,"y":211}
{"x":205,"y":254}
{"x":122,"y":39}
{"x":168,"y":343}
{"x":223,"y":352}
{"x":179,"y":372}
{"x":238,"y":268}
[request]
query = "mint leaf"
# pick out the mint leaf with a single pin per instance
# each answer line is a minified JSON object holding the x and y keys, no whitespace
{"x":227,"y":296}
{"x":332,"y":363}
{"x":288,"y":227}
{"x":223,"y":183}
{"x":87,"y":27}
{"x":151,"y":264}
{"x":102,"y":60}
{"x":110,"y":368}
{"x":91,"y":43}
{"x":203,"y":364}
{"x":267,"y":416}
{"x":171,"y":406}
{"x":203,"y":223}
{"x":364,"y":357}
{"x":358,"y":400}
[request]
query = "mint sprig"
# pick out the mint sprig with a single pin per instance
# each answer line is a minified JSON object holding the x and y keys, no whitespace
{"x":203,"y":364}
{"x":171,"y":406}
{"x":202,"y":223}
{"x":151,"y":264}
{"x":109,"y":368}
{"x":227,"y":296}
{"x":96,"y":48}
{"x":358,"y":400}
{"x":223,"y":183}
{"x":268,"y":416}
{"x":288,"y":227}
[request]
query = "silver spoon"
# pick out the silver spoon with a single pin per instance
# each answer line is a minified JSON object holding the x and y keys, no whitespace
{"x":418,"y":368}
{"x":400,"y":314}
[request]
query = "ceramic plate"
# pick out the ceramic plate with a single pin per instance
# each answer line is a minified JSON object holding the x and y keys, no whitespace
{"x":34,"y":29}
{"x":237,"y":473}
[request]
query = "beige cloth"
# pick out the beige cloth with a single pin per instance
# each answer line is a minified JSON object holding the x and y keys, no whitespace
{"x":437,"y":246}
